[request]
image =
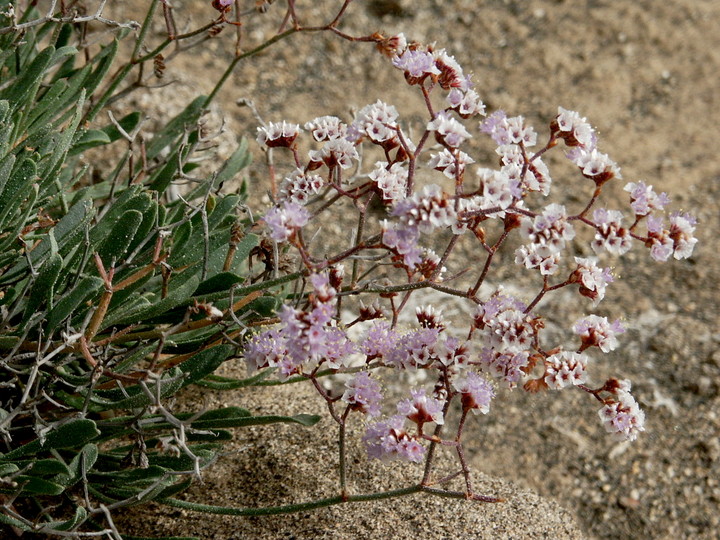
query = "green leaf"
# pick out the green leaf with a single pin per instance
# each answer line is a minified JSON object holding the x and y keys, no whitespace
{"x":55,"y":101}
{"x":50,"y":169}
{"x":118,"y":241}
{"x":69,"y":435}
{"x":183,"y":462}
{"x":6,"y":469}
{"x":46,"y":467}
{"x":142,"y":476}
{"x":23,"y":90}
{"x":66,"y":231}
{"x":87,"y":288}
{"x":245,"y":246}
{"x":43,"y":289}
{"x":302,"y":419}
{"x":180,"y":290}
{"x":177,"y":487}
{"x":130,"y":199}
{"x":161,"y":179}
{"x":199,"y":365}
{"x":217,"y":382}
{"x":6,"y":167}
{"x":21,"y":220}
{"x":148,"y":225}
{"x":169,"y":384}
{"x":175,"y":128}
{"x":16,"y":188}
{"x":194,"y":249}
{"x":82,"y":461}
{"x":130,"y":537}
{"x":215,"y":435}
{"x":219,"y":282}
{"x":7,"y":520}
{"x":240,"y":159}
{"x":104,"y":60}
{"x":79,"y":517}
{"x":90,"y":139}
{"x":128,"y":122}
{"x":38,"y":486}
{"x":6,"y":129}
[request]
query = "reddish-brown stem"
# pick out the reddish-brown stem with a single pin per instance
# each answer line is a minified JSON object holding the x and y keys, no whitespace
{"x":488,"y":261}
{"x":104,"y":303}
{"x":544,"y":291}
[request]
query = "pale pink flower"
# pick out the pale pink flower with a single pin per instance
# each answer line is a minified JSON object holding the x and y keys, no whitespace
{"x":277,"y":134}
{"x":597,"y":331}
{"x":644,"y":200}
{"x":448,"y":130}
{"x":363,"y":394}
{"x":476,"y":392}
{"x":446,"y":161}
{"x":391,"y":182}
{"x":622,"y":417}
{"x":565,"y":368}
{"x":283,"y":220}
{"x":388,"y":440}
{"x":325,"y":128}
{"x":422,"y":408}
{"x":593,"y":279}
{"x":609,"y":233}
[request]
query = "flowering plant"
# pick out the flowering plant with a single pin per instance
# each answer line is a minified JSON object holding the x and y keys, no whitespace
{"x":117,"y":292}
{"x":392,"y":259}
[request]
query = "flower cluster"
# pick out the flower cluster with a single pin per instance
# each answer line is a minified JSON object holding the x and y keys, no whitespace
{"x":621,"y":416}
{"x":504,"y":343}
{"x":306,"y":339}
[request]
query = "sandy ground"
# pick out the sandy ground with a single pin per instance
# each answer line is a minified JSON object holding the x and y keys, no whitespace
{"x":645,"y":73}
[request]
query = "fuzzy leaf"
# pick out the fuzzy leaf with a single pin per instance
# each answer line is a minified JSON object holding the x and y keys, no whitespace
{"x":51,"y":167}
{"x":79,"y":517}
{"x":219,"y":282}
{"x":128,"y":122}
{"x":180,"y":290}
{"x":130,"y":199}
{"x":66,"y":233}
{"x":43,"y":289}
{"x":11,"y":521}
{"x":90,"y":139}
{"x":16,"y":188}
{"x":176,"y":127}
{"x":240,"y":159}
{"x":198,"y":366}
{"x":38,"y":486}
{"x":83,"y":460}
{"x":121,"y":236}
{"x":217,"y":382}
{"x":23,"y":90}
{"x":7,"y":469}
{"x":6,"y":165}
{"x":46,"y":467}
{"x":302,"y":419}
{"x":170,"y":383}
{"x":66,"y":306}
{"x":74,"y":433}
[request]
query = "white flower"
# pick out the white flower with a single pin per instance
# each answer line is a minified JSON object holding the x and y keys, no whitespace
{"x":565,"y":368}
{"x":445,"y":162}
{"x":596,"y":164}
{"x":623,"y":417}
{"x":448,"y":129}
{"x":597,"y":331}
{"x":593,"y":278}
{"x":278,"y":134}
{"x":325,"y":128}
{"x":392,"y":183}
